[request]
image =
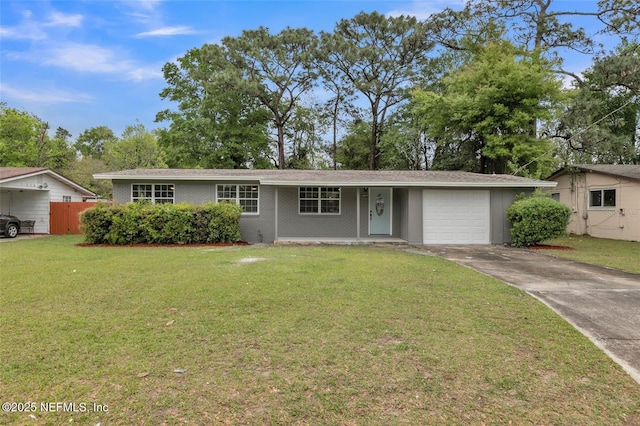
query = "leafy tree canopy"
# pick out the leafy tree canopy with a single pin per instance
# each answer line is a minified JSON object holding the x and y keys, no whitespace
{"x":487,"y":107}
{"x":137,"y":148}
{"x":379,"y":58}
{"x":25,"y":142}
{"x":91,"y":142}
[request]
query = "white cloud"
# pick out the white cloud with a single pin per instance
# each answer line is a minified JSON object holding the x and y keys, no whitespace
{"x":423,"y":9}
{"x":85,"y":58}
{"x":143,"y":11}
{"x":26,"y":30}
{"x":58,"y":19}
{"x":89,"y":58}
{"x":95,"y":59}
{"x":29,"y":29}
{"x":145,"y":4}
{"x":141,"y":73}
{"x":43,"y":96}
{"x":167,"y":31}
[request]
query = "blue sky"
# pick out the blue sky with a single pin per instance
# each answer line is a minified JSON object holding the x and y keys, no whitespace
{"x":87,"y":63}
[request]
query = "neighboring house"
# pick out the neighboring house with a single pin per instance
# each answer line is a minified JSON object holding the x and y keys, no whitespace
{"x":419,"y":207}
{"x":605,"y":199}
{"x":27,"y":192}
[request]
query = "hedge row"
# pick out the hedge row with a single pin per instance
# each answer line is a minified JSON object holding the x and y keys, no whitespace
{"x":146,"y":223}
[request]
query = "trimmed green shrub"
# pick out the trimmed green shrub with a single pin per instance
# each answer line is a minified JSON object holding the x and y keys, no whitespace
{"x":96,"y":222}
{"x":537,"y":218}
{"x":146,"y":223}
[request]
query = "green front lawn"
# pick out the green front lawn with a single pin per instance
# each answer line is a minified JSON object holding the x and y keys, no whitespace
{"x":287,"y":335}
{"x":623,"y":255}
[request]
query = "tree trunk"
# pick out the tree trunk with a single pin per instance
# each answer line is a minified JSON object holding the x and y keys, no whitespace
{"x":280,"y":146}
{"x":373,"y":145}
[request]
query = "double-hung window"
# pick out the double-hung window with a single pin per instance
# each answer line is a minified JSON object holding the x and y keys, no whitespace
{"x":158,"y":193}
{"x":318,"y":200}
{"x":602,"y":199}
{"x":247,"y":196}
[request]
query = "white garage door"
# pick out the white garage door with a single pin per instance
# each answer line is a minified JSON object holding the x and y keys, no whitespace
{"x":455,"y":216}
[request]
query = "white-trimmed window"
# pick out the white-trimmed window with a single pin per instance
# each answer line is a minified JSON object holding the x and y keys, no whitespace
{"x":318,"y":200}
{"x":247,"y":196}
{"x":158,"y":193}
{"x":602,"y":199}
{"x":66,"y":198}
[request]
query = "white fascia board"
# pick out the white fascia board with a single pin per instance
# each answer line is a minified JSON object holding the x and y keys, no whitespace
{"x":539,"y":184}
{"x":70,"y":183}
{"x":55,"y":176}
{"x":107,"y":176}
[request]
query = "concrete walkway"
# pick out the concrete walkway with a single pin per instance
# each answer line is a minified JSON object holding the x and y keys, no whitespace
{"x":20,"y":237}
{"x":602,"y":303}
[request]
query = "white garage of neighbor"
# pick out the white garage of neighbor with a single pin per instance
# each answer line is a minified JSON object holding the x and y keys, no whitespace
{"x":456,"y":216}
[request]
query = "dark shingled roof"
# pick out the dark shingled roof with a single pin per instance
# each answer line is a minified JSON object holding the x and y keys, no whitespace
{"x":630,"y":171}
{"x":330,"y":177}
{"x":11,"y":172}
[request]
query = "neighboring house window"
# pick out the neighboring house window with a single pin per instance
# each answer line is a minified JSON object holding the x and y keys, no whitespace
{"x":555,"y":196}
{"x":318,"y":200}
{"x":246,"y":196}
{"x":156,"y":193}
{"x":66,"y":198}
{"x":602,"y":198}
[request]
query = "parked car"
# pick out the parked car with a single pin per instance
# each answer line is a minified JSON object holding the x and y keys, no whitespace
{"x":9,"y":225}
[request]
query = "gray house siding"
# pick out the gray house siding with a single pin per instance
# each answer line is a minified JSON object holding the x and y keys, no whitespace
{"x":293,"y":224}
{"x":261,"y":228}
{"x":364,"y":212}
{"x":399,"y":224}
{"x":282,"y":202}
{"x":501,"y":199}
{"x":414,"y":213}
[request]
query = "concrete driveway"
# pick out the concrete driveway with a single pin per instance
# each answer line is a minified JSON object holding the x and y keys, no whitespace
{"x":603,"y":303}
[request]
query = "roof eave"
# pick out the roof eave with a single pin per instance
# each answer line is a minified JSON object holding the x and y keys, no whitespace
{"x":107,"y":176}
{"x":55,"y":176}
{"x":272,"y":182}
{"x":540,"y":184}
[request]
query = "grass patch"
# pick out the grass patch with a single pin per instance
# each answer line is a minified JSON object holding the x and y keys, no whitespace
{"x":623,"y":255}
{"x":306,"y":335}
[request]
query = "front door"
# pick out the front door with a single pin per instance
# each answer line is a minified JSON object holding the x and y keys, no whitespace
{"x":379,"y":211}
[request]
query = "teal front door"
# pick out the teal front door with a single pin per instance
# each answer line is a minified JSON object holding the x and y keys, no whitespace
{"x":380,"y":211}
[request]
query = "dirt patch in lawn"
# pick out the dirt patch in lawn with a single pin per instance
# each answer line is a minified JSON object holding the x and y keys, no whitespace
{"x":247,"y":260}
{"x":546,"y":247}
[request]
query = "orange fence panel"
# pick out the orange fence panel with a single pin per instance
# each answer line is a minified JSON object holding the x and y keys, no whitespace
{"x":64,"y":218}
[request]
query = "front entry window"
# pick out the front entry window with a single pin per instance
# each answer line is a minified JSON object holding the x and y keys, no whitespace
{"x":318,"y":200}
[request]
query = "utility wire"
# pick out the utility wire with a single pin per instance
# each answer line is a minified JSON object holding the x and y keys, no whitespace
{"x":573,"y":136}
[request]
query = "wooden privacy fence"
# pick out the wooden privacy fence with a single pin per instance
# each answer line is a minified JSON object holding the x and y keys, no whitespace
{"x":64,"y":218}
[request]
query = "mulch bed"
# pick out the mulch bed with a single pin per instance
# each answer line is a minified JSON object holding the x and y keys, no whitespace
{"x":546,"y":247}
{"x":239,"y":243}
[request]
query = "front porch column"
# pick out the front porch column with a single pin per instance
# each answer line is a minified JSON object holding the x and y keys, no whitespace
{"x":358,"y":214}
{"x":275,"y":238}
